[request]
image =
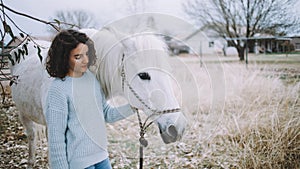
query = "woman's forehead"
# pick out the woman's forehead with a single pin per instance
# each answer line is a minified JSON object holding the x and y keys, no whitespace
{"x":81,"y":48}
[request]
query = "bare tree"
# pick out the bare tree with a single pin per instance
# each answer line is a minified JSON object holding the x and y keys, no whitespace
{"x":238,"y":20}
{"x":74,"y":19}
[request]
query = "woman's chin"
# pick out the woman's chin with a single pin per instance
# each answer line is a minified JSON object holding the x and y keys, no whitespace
{"x":84,"y":69}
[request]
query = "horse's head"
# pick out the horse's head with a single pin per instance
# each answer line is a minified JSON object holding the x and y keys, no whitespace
{"x":147,"y":84}
{"x":142,"y":75}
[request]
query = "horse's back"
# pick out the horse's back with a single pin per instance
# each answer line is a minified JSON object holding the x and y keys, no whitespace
{"x":32,"y":81}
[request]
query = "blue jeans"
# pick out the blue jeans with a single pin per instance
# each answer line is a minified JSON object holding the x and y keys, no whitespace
{"x":105,"y":164}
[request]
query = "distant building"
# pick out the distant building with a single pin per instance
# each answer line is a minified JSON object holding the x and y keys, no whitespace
{"x":269,"y":44}
{"x":296,"y":42}
{"x":205,"y":42}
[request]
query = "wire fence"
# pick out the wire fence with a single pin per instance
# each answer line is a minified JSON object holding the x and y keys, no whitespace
{"x":5,"y":74}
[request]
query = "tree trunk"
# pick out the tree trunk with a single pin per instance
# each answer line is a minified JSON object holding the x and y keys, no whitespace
{"x":241,"y":52}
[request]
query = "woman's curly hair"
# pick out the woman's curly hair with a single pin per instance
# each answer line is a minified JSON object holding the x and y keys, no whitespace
{"x":57,"y":64}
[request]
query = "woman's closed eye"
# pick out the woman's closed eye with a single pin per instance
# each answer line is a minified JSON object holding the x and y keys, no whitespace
{"x":79,"y":56}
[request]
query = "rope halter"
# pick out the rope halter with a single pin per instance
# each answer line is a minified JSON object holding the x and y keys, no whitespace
{"x":143,"y":126}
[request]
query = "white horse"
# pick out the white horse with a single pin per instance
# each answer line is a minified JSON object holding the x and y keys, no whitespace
{"x":129,"y":66}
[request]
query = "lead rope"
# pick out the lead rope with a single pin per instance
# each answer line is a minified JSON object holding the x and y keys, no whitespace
{"x":142,"y":140}
{"x":143,"y":126}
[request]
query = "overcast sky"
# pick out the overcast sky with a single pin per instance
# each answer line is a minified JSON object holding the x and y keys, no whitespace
{"x":105,"y":11}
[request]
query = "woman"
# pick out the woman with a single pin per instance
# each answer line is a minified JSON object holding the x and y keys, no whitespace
{"x":76,"y":110}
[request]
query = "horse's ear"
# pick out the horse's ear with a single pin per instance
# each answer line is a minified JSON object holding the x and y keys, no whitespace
{"x":124,"y":39}
{"x":129,"y":45}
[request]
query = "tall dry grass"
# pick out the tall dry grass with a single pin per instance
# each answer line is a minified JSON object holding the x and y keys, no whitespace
{"x":255,"y":125}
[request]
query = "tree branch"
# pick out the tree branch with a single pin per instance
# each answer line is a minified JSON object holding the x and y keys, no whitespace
{"x":30,"y":17}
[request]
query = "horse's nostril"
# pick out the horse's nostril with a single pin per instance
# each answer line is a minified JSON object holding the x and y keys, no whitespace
{"x":172,"y":131}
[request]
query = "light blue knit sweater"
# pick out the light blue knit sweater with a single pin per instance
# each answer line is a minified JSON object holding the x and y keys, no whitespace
{"x":72,"y":128}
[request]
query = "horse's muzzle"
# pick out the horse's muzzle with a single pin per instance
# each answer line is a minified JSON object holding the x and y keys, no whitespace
{"x":172,"y":127}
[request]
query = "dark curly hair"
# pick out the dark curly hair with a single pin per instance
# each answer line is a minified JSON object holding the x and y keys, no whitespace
{"x":57,"y":64}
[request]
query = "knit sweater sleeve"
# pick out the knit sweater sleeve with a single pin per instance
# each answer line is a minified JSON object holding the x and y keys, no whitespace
{"x":56,"y":117}
{"x":113,"y":114}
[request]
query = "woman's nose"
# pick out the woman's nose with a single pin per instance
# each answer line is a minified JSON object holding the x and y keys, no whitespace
{"x":86,"y":59}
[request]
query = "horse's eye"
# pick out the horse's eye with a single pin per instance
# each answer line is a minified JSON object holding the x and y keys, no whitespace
{"x":144,"y":76}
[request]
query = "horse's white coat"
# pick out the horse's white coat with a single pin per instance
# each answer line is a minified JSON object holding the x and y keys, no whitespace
{"x":33,"y":81}
{"x":143,"y":53}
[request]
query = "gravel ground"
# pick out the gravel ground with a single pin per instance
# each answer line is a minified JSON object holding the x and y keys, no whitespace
{"x":13,"y":141}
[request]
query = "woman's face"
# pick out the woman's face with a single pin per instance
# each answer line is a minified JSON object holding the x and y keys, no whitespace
{"x":78,"y":60}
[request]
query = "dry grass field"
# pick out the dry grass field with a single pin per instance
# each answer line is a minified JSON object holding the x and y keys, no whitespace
{"x":239,"y":117}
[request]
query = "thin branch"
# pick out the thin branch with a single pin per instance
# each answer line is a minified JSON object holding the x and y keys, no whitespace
{"x":27,"y":35}
{"x":30,"y":17}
